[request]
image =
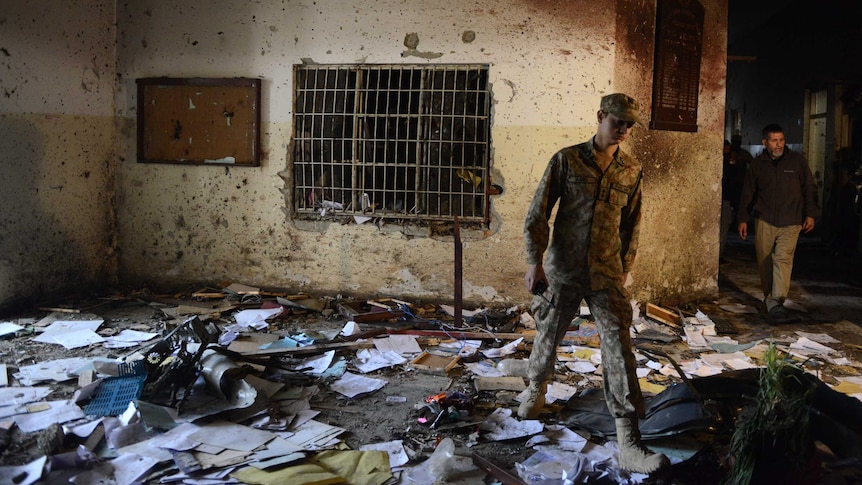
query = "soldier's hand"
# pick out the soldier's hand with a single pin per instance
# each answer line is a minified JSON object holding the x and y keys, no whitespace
{"x":808,"y":225}
{"x":743,"y":230}
{"x":535,"y":274}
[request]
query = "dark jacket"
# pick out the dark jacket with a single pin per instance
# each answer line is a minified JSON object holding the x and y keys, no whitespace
{"x":782,"y":190}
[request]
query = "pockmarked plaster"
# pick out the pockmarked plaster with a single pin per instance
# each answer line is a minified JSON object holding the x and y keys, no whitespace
{"x":550,"y":62}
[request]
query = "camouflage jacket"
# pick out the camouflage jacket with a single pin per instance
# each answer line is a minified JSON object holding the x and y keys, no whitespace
{"x":598,"y":219}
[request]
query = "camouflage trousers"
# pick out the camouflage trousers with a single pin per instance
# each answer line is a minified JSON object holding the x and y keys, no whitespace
{"x":613,"y":315}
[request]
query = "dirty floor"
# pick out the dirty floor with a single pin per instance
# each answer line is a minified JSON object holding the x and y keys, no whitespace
{"x":827,"y":285}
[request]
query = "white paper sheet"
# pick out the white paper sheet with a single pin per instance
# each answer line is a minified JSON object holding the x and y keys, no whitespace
{"x":314,"y":435}
{"x":128,"y":338}
{"x":501,"y":426}
{"x":369,"y":360}
{"x":78,"y":338}
{"x":400,"y":344}
{"x":508,"y":349}
{"x":23,"y":474}
{"x":60,"y":412}
{"x":231,"y":436}
{"x":581,"y":367}
{"x":350,"y":328}
{"x":128,"y":468}
{"x":8,"y":328}
{"x":16,"y":396}
{"x":809,"y":347}
{"x":482,"y":370}
{"x":395,"y":450}
{"x":60,"y":327}
{"x":250,"y":318}
{"x":318,"y":364}
{"x":352,"y":385}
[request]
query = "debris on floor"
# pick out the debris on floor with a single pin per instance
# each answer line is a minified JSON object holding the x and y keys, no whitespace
{"x":244,"y":385}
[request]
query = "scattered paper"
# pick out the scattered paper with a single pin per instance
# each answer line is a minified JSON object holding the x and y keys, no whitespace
{"x":59,"y":412}
{"x":501,"y":426}
{"x":821,"y":338}
{"x":256,"y":318}
{"x":370,"y":360}
{"x":581,"y":367}
{"x":561,"y":436}
{"x":128,"y":338}
{"x":128,"y":468}
{"x":318,"y":364}
{"x":16,"y":396}
{"x":738,"y":308}
{"x":350,"y":328}
{"x":23,"y":474}
{"x":508,"y":349}
{"x":400,"y":344}
{"x":231,"y":436}
{"x":352,"y":385}
{"x":8,"y":328}
{"x":395,"y":450}
{"x":809,"y":347}
{"x":71,"y":333}
{"x":314,"y":435}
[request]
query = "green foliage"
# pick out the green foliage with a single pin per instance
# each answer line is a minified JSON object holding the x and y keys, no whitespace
{"x":774,"y":434}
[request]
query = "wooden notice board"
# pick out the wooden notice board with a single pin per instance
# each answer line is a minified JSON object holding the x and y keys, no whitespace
{"x":199,"y":121}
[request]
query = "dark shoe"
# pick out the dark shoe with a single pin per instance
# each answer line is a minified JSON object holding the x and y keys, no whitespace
{"x":779,"y":314}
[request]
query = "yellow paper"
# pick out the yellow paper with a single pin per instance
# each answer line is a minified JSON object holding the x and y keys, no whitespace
{"x":306,"y":474}
{"x":848,"y":388}
{"x":647,"y":386}
{"x":583,"y":354}
{"x":359,"y":467}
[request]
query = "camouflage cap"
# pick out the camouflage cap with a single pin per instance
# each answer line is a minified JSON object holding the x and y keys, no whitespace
{"x":622,"y":106}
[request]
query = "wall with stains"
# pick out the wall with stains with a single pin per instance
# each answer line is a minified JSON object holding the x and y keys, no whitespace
{"x":550,"y":62}
{"x":57,"y":68}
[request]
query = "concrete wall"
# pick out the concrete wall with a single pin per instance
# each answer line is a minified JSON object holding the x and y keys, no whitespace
{"x":56,"y":147}
{"x":550,"y":62}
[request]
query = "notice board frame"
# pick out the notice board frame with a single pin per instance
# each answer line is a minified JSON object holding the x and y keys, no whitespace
{"x":676,"y":70}
{"x":197,"y":121}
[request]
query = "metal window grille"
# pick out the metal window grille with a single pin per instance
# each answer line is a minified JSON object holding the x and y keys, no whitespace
{"x":392,"y":141}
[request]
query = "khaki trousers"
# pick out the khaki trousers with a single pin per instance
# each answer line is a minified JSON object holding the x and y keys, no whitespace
{"x":613,"y":315}
{"x":774,"y":247}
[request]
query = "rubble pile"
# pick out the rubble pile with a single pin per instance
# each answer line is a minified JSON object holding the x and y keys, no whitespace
{"x":242,"y":385}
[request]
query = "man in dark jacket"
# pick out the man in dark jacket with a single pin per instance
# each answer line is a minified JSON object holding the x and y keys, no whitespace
{"x":780,"y":184}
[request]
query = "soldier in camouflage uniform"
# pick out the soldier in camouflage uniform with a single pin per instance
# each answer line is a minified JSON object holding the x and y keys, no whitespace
{"x":597,"y":189}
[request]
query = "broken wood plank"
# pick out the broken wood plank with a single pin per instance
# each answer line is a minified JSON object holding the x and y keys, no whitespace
{"x":663,"y":315}
{"x":311,"y":349}
{"x":466,"y":335}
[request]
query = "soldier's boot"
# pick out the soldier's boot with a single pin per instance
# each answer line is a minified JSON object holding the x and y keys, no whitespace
{"x":532,"y":405}
{"x":634,"y":456}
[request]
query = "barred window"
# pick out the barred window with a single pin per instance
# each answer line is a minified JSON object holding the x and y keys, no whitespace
{"x":392,"y":141}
